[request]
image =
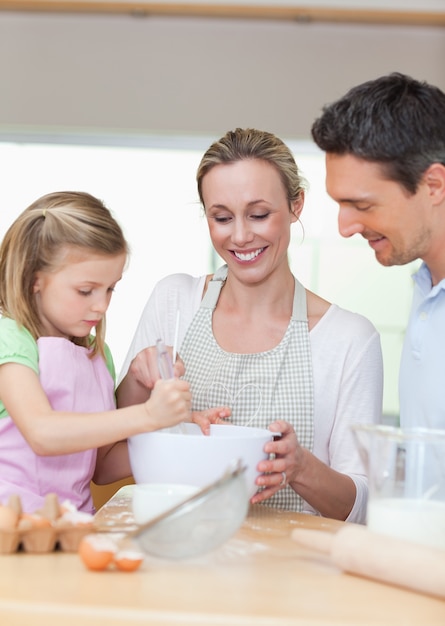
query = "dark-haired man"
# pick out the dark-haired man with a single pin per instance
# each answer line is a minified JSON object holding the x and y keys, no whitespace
{"x":385,"y":167}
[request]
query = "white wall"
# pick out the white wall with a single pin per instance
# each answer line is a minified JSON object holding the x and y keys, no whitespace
{"x":189,"y":75}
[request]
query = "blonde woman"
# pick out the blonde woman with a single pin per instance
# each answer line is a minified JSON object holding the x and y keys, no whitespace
{"x":254,"y":338}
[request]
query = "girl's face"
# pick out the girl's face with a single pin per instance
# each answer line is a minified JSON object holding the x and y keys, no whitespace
{"x":74,"y":297}
{"x":249,"y":217}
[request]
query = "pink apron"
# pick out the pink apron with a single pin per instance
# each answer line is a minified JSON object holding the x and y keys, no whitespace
{"x":73,"y":382}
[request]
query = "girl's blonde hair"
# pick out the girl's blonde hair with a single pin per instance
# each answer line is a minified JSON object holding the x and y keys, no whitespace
{"x":33,"y":243}
{"x":249,"y":143}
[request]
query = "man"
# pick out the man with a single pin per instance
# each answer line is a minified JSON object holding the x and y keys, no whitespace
{"x":385,"y":166}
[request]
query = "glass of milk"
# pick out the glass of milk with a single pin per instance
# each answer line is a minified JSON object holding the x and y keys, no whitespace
{"x":406,"y":472}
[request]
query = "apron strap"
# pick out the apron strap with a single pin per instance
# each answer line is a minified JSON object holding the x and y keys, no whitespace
{"x":213,"y":288}
{"x":299,"y":307}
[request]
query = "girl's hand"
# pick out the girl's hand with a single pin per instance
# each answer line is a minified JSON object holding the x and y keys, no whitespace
{"x":144,"y":367}
{"x":215,"y":415}
{"x":286,"y":465}
{"x":169,"y":404}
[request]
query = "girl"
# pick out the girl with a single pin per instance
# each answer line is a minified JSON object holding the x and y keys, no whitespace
{"x":284,"y":357}
{"x":59,"y":263}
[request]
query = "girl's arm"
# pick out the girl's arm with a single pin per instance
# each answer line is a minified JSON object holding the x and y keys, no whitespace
{"x":50,"y":432}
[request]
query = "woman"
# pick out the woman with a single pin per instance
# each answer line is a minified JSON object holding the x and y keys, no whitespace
{"x":254,"y":338}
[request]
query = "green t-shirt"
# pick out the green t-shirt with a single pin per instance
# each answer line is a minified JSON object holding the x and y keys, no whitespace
{"x":17,"y":345}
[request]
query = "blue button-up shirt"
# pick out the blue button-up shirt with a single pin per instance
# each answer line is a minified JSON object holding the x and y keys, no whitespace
{"x":422,"y":368}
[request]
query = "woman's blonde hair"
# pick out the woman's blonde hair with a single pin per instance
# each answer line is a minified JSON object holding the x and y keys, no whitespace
{"x":248,"y":143}
{"x":33,"y":243}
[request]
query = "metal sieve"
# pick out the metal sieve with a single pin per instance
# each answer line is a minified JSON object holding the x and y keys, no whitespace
{"x":200,"y":523}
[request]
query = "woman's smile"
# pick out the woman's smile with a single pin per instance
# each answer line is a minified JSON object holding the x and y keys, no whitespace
{"x":247,"y":257}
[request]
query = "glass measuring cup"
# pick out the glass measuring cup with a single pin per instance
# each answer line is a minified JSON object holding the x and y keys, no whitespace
{"x":406,"y":473}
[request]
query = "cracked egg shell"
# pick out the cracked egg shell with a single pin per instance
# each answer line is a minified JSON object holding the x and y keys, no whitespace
{"x":128,"y":560}
{"x":97,"y":551}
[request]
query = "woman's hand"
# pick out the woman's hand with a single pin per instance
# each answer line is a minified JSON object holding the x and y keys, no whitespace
{"x":141,"y":377}
{"x":145,"y":370}
{"x":328,"y":491}
{"x":286,"y":464}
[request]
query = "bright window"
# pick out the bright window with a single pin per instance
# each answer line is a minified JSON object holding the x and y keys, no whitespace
{"x":152,"y":193}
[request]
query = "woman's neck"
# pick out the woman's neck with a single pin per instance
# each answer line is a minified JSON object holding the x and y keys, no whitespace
{"x":274,"y":295}
{"x":253,"y":318}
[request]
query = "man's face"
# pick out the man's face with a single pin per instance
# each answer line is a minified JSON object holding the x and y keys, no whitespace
{"x":396,"y":224}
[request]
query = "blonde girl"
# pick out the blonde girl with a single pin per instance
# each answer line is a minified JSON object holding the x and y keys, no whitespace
{"x":59,"y":263}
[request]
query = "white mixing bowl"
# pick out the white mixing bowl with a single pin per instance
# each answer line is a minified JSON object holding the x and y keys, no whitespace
{"x":191,"y":458}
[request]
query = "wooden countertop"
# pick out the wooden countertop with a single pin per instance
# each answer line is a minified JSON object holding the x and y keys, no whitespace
{"x":259,"y":577}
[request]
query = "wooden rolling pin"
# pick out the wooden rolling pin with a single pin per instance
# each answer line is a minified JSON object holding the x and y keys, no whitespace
{"x":357,"y":550}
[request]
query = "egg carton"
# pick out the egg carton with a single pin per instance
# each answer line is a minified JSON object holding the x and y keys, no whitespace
{"x":54,"y":526}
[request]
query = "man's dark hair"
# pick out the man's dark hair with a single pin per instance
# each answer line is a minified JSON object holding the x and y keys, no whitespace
{"x":395,"y":120}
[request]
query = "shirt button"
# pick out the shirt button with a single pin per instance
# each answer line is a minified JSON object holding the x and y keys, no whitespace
{"x":423,"y":315}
